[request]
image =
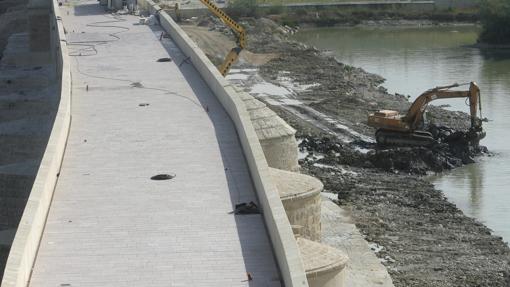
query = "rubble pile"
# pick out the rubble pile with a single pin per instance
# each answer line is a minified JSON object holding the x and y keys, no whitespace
{"x":442,"y":156}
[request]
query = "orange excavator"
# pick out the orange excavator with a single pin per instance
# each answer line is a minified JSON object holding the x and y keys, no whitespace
{"x":409,"y":129}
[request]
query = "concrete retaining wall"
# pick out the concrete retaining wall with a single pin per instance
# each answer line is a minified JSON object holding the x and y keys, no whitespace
{"x":278,"y":226}
{"x":305,"y":212}
{"x":404,"y":5}
{"x":447,"y":4}
{"x":382,"y":4}
{"x":30,"y":229}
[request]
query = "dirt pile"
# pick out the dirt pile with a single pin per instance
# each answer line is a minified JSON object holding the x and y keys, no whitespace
{"x":409,"y":160}
{"x":423,"y":239}
{"x":217,"y":40}
{"x":344,"y":91}
{"x":350,"y":94}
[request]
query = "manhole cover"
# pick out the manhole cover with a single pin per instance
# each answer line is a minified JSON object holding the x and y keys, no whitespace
{"x":163,"y":176}
{"x":162,"y":60}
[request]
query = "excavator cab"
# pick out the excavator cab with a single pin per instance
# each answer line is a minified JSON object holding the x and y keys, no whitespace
{"x":408,"y":130}
{"x":387,"y":119}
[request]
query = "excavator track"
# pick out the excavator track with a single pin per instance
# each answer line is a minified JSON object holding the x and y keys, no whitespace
{"x":395,"y":138}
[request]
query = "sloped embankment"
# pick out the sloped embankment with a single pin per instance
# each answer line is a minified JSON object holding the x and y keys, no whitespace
{"x":423,"y":239}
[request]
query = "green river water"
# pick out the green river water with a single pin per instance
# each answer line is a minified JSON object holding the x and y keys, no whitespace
{"x":416,"y":59}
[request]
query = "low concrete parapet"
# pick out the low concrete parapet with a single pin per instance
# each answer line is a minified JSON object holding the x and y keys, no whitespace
{"x":280,"y":232}
{"x":28,"y":235}
{"x":452,"y":4}
{"x":300,"y":194}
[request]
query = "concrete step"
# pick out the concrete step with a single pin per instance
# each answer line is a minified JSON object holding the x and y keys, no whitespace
{"x":28,"y":93}
{"x":11,"y":210}
{"x":17,"y":43}
{"x":15,"y":186}
{"x":6,"y":237}
{"x":36,"y":125}
{"x":14,"y":192}
{"x":17,"y":52}
{"x":23,"y":78}
{"x":24,"y":168}
{"x":7,"y":203}
{"x":16,"y":148}
{"x":28,"y":110}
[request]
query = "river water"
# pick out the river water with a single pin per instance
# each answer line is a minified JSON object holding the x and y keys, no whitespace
{"x":418,"y":58}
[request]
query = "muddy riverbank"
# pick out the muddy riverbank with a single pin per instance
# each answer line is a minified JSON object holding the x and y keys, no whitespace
{"x":334,"y":16}
{"x":423,"y":239}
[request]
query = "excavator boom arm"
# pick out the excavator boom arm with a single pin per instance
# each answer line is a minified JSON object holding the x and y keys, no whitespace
{"x":239,"y":31}
{"x":415,"y":113}
{"x":229,"y":60}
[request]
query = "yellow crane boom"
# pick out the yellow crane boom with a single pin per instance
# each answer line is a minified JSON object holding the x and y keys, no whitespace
{"x":238,"y":30}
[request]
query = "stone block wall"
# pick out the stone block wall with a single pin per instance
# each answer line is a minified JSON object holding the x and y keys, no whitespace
{"x":447,"y":4}
{"x":300,"y":195}
{"x":275,"y":136}
{"x":305,"y":212}
{"x":280,"y":153}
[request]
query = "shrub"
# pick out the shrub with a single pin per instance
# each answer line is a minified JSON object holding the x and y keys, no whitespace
{"x":242,"y":8}
{"x":495,"y":17}
{"x":275,"y":10}
{"x":289,"y":21}
{"x":302,"y":11}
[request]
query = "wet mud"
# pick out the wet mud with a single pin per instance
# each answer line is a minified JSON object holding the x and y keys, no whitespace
{"x":422,"y":238}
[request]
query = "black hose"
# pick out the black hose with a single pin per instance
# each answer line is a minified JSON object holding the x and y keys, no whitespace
{"x":480,"y":103}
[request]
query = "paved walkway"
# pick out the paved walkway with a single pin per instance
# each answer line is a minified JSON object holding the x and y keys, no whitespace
{"x":134,"y":117}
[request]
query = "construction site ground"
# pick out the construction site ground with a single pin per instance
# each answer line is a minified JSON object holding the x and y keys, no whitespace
{"x":420,"y":237}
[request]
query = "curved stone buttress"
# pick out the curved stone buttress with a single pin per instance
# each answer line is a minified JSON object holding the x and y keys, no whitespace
{"x":300,"y":195}
{"x":275,"y":135}
{"x":324,"y":265}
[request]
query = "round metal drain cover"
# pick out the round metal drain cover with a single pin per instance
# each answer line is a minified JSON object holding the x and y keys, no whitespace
{"x":163,"y":176}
